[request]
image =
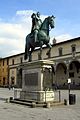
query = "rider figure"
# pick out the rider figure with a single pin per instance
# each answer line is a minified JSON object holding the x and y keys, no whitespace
{"x":36,"y":24}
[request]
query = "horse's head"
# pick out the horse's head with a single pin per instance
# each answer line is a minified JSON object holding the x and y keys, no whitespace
{"x":44,"y":29}
{"x":51,"y":21}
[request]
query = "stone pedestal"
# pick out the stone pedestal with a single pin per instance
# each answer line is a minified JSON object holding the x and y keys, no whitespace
{"x":37,"y":81}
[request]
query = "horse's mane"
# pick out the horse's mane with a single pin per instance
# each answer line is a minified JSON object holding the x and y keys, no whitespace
{"x":43,"y":22}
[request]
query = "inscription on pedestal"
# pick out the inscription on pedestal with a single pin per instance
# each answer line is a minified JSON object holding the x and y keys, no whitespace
{"x":31,"y":79}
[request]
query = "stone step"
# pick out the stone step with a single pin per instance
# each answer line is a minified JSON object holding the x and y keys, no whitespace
{"x":33,"y":103}
{"x":20,"y":102}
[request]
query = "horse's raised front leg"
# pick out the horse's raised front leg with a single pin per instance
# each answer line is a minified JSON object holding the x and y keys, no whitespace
{"x":27,"y":47}
{"x":25,"y":55}
{"x":30,"y":54}
{"x":40,"y":53}
{"x":49,"y":51}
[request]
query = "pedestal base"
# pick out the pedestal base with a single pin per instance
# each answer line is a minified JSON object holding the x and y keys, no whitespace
{"x":41,"y":96}
{"x":37,"y":79}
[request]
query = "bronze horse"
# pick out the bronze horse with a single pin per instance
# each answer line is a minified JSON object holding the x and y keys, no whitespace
{"x":43,"y":38}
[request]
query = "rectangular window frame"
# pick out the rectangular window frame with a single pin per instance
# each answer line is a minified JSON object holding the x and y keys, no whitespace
{"x":60,"y":51}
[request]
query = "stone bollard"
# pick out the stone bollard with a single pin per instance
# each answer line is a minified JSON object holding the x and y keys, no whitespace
{"x":48,"y":105}
{"x":33,"y":105}
{"x":7,"y":100}
{"x":11,"y":98}
{"x":65,"y":102}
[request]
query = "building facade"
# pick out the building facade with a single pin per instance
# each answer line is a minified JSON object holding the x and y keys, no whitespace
{"x":4,"y":72}
{"x":15,"y":74}
{"x":66,"y":57}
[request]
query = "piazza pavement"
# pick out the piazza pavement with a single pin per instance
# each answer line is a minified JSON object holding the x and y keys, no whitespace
{"x":10,"y":111}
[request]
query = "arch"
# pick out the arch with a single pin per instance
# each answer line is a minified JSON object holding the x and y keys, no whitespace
{"x":63,"y":65}
{"x":76,"y":63}
{"x":74,"y":72}
{"x":61,"y":74}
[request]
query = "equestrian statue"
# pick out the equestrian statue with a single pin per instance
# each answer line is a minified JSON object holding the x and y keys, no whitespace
{"x":39,"y":35}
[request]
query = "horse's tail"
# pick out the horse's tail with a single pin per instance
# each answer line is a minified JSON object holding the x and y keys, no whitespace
{"x":26,"y":49}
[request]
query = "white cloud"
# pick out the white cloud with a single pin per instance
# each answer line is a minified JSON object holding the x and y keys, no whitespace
{"x":24,"y":12}
{"x":63,"y":37}
{"x":13,"y":33}
{"x":26,"y":15}
{"x":14,"y":52}
{"x":9,"y":30}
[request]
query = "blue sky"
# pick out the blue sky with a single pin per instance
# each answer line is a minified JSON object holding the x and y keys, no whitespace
{"x":15,"y":21}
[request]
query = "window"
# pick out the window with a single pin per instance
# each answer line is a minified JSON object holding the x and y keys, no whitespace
{"x":12,"y":61}
{"x":3,"y":62}
{"x":12,"y":71}
{"x":39,"y":56}
{"x":12,"y":80}
{"x":49,"y":54}
{"x":73,"y":48}
{"x":60,"y":51}
{"x":3,"y":80}
{"x":21,"y":60}
{"x":7,"y":61}
{"x":0,"y":81}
